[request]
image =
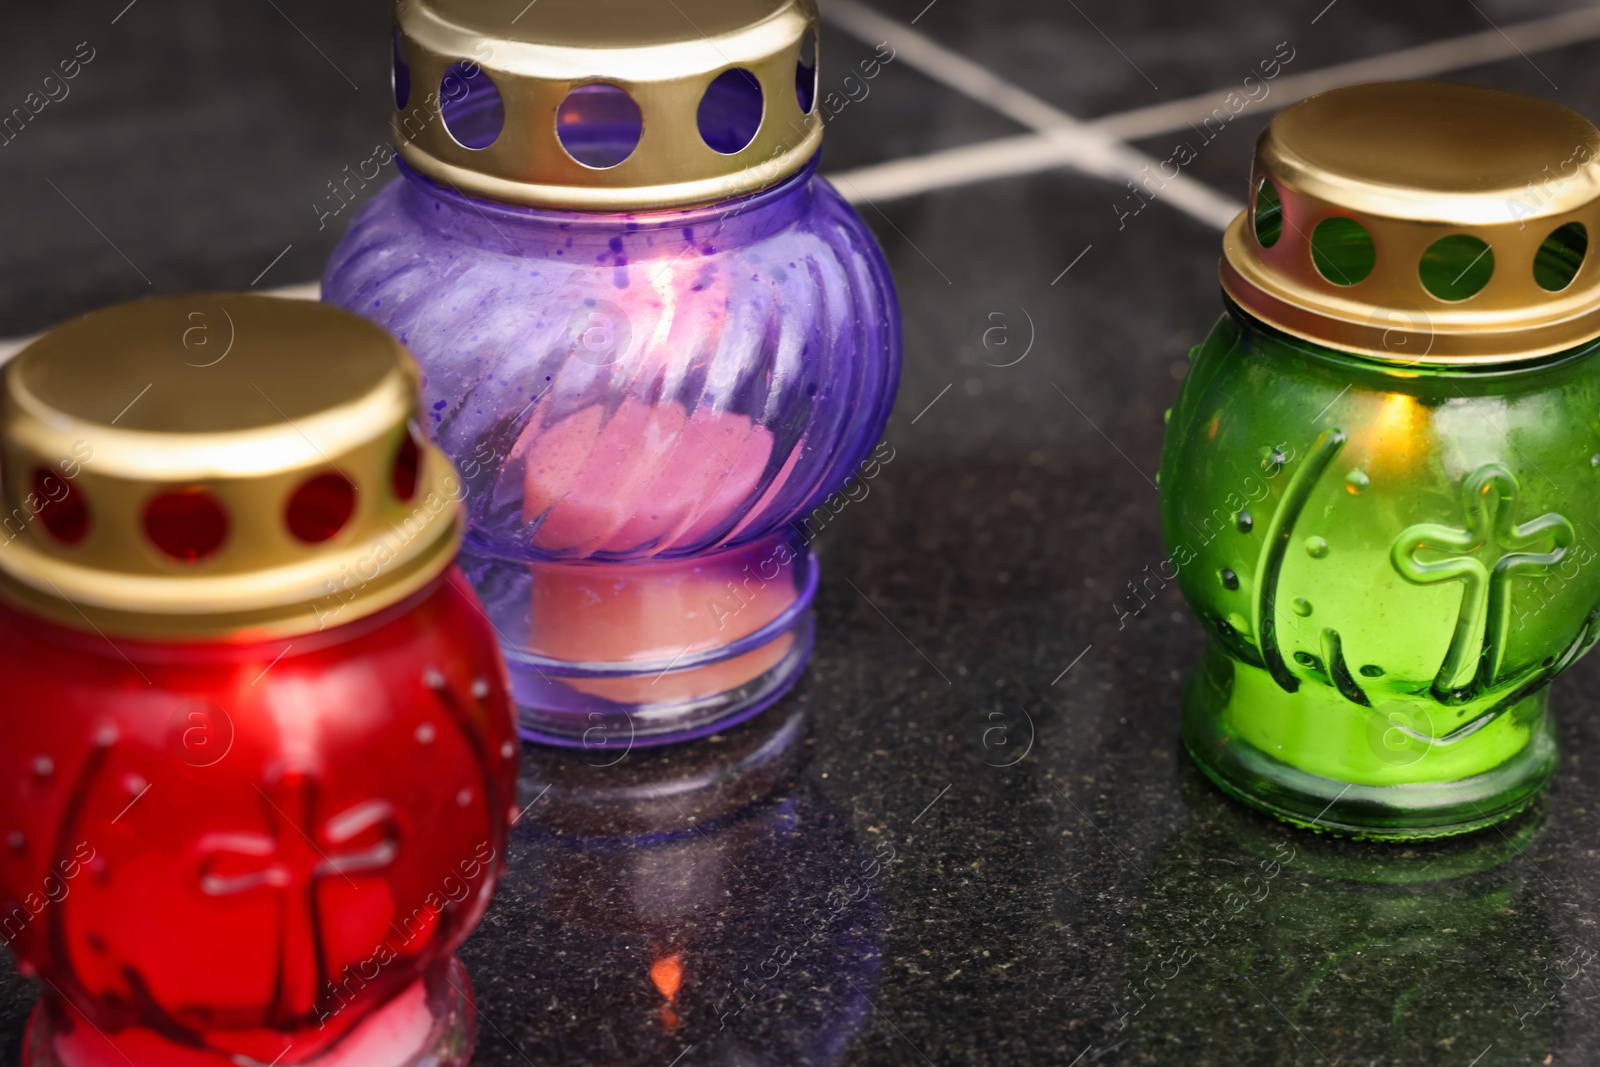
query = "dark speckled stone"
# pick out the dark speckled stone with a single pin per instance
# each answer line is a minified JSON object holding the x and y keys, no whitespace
{"x":946,"y":847}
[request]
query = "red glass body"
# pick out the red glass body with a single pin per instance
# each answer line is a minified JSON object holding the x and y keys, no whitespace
{"x":226,"y":849}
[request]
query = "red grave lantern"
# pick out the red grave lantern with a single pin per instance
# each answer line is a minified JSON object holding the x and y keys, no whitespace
{"x":260,"y":761}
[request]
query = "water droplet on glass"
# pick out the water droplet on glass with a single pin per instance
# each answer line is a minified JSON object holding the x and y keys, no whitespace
{"x":1306,"y":659}
{"x":1302,"y":606}
{"x":1166,"y":417}
{"x":1244,"y":521}
{"x":1272,"y":460}
{"x":1158,"y":477}
{"x":1355,"y":482}
{"x":1316,"y":547}
{"x":1230,"y":580}
{"x":1372,"y":670}
{"x":1239,"y":622}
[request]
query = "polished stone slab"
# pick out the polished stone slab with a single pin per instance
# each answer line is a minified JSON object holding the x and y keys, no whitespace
{"x":971,"y":835}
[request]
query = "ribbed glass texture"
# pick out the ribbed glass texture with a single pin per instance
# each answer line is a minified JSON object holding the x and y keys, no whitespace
{"x":623,"y":387}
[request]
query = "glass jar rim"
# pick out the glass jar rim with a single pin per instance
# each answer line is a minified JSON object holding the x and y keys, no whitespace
{"x":659,"y":218}
{"x":1362,"y":363}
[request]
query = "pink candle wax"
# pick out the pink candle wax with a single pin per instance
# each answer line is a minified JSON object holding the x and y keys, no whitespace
{"x":648,"y":479}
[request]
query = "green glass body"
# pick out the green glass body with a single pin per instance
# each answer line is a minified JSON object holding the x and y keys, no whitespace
{"x":1391,"y":564}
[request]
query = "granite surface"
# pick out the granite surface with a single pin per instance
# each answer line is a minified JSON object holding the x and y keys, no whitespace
{"x":971,"y":835}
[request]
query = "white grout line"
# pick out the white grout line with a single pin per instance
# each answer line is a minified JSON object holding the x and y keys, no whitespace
{"x":1455,"y":53}
{"x":1030,"y":153}
{"x":1091,"y":150}
{"x":942,"y":64}
{"x":305,"y":291}
{"x":1003,"y":158}
{"x":12,"y":347}
{"x":1095,"y":146}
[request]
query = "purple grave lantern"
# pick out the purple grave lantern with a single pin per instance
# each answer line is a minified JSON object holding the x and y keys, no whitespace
{"x":652,"y":339}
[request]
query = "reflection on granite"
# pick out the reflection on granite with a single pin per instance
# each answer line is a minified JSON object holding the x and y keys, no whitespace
{"x":703,"y":901}
{"x":1368,"y":953}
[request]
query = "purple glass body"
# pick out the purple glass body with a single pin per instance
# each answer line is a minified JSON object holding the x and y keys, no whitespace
{"x":645,"y":408}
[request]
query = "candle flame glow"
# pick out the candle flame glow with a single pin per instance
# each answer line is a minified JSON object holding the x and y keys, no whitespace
{"x":1396,"y":441}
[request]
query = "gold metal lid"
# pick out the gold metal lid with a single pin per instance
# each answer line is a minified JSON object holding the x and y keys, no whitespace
{"x":1423,"y":223}
{"x":664,"y":55}
{"x":218,"y":465}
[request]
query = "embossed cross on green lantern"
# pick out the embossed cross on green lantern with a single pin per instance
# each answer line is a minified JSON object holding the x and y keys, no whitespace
{"x":1381,"y":482}
{"x":1477,"y":650}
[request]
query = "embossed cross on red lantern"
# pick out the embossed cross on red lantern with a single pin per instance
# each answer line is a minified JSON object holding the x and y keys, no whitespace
{"x":276,"y":716}
{"x":293,"y":860}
